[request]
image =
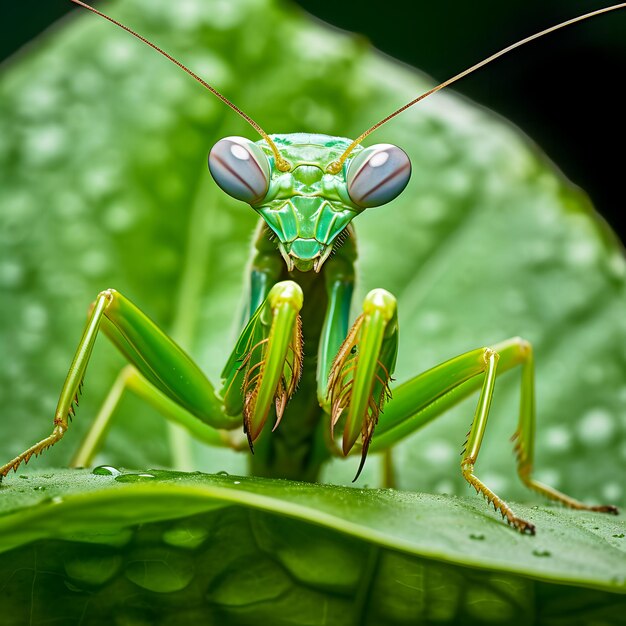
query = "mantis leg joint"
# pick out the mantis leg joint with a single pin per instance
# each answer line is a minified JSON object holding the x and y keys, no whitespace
{"x":489,"y":355}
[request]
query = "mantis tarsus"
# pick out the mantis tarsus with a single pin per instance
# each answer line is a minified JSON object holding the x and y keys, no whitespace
{"x":307,"y":189}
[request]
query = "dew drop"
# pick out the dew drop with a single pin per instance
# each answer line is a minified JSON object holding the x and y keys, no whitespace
{"x":161,"y":474}
{"x":237,"y":482}
{"x":619,"y":536}
{"x":541,"y":552}
{"x":222,"y":473}
{"x":56,"y":500}
{"x":106,"y":470}
{"x":39,"y":488}
{"x":133,"y":478}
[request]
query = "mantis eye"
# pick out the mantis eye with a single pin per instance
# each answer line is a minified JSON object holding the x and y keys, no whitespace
{"x":240,"y":168}
{"x":377,"y":175}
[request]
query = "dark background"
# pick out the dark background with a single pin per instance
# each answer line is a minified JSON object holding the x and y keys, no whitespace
{"x":565,"y":90}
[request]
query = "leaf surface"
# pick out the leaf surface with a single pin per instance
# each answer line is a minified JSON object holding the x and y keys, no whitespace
{"x":156,"y":533}
{"x":103,"y":183}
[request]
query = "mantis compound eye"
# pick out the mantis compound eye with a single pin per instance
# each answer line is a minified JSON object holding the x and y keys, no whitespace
{"x":377,"y":175}
{"x":240,"y":168}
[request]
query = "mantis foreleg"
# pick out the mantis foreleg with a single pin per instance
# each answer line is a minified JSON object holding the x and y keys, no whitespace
{"x":358,"y":380}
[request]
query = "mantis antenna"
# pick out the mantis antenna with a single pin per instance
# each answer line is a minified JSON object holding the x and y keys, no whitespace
{"x":282,"y":164}
{"x":335,"y":166}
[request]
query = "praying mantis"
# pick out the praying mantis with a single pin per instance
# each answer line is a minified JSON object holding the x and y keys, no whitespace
{"x":307,"y":189}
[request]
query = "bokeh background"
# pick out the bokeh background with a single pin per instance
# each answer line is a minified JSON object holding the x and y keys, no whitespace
{"x":564,"y":89}
{"x":103,"y":183}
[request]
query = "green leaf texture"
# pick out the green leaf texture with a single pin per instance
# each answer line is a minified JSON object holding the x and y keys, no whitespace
{"x":171,"y":548}
{"x":103,"y":183}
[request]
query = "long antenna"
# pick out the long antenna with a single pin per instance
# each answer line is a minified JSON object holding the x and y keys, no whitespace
{"x":281,"y":163}
{"x":336,"y":166}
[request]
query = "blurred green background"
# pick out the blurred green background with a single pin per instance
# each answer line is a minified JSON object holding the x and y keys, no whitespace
{"x":564,"y":91}
{"x":103,"y":183}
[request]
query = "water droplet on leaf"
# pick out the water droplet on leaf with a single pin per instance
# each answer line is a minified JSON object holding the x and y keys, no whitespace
{"x":106,"y":470}
{"x":133,"y":478}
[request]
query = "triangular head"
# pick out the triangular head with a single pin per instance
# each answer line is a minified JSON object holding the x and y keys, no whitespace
{"x":308,"y":206}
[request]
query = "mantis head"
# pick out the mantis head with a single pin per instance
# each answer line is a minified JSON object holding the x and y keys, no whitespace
{"x":308,"y":205}
{"x":308,"y":188}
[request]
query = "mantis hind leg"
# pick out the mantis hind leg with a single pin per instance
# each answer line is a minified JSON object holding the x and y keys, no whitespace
{"x":129,"y":379}
{"x":174,"y":378}
{"x":428,"y":395}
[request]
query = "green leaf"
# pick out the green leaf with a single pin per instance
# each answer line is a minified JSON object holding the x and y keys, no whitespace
{"x":103,"y":183}
{"x":191,"y":534}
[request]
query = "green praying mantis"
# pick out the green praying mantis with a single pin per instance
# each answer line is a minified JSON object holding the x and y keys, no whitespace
{"x":307,"y":190}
